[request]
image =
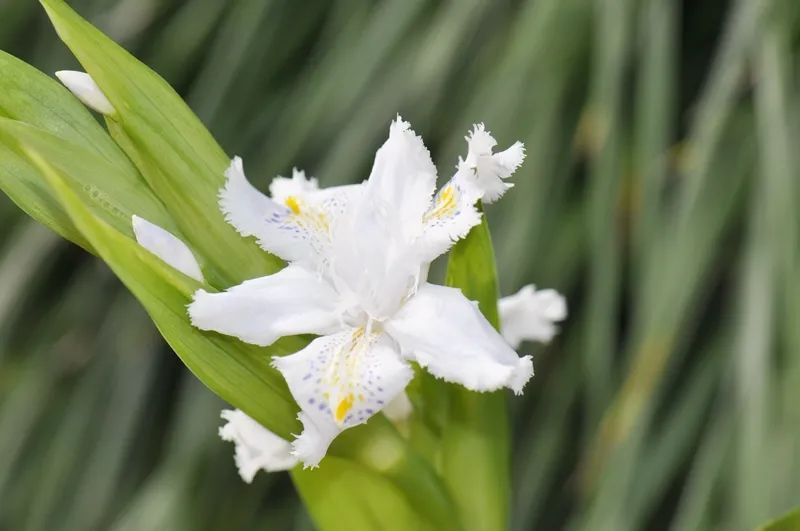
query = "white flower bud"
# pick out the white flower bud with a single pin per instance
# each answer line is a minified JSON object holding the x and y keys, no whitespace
{"x":83,"y":86}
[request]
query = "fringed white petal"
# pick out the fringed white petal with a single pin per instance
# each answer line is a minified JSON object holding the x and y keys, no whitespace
{"x":402,"y":180}
{"x":257,"y":448}
{"x":340,"y":381}
{"x":282,"y":188}
{"x":489,"y":169}
{"x":167,"y":247}
{"x":446,"y":333}
{"x":530,"y":315}
{"x":509,"y":160}
{"x":292,"y":301}
{"x":85,"y":89}
{"x":296,"y":225}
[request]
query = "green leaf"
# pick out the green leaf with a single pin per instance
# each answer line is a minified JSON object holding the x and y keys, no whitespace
{"x":29,"y":96}
{"x":175,"y":153}
{"x":23,"y":184}
{"x":113,"y":191}
{"x":344,"y":496}
{"x":238,"y":373}
{"x":475,"y":438}
{"x":787,"y":522}
{"x":379,"y":447}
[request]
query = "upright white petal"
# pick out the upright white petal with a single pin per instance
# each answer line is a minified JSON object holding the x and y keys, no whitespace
{"x":446,"y":333}
{"x":377,"y":247}
{"x":83,"y":86}
{"x":257,"y":448}
{"x":294,"y":226}
{"x":489,"y":169}
{"x":340,"y":381}
{"x":530,"y":315}
{"x":167,"y":247}
{"x":373,"y":266}
{"x":292,"y":301}
{"x":402,"y":180}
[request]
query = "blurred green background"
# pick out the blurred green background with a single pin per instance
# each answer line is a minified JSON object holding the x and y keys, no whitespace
{"x":660,"y":194}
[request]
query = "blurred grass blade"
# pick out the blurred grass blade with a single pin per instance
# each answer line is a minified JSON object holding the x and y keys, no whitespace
{"x":787,"y":522}
{"x":23,"y":258}
{"x":605,"y":233}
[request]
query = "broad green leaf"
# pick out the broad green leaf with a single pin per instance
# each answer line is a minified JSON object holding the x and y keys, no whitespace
{"x":344,"y":496}
{"x":175,"y":153}
{"x":29,"y":96}
{"x":238,"y":373}
{"x":379,"y":447}
{"x":787,"y":522}
{"x":475,"y":439}
{"x":113,"y":191}
{"x":23,"y":184}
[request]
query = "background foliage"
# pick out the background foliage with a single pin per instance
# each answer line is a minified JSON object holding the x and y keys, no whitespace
{"x":660,"y":194}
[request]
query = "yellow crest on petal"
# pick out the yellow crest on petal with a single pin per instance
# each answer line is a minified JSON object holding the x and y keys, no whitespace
{"x":345,"y":405}
{"x":293,"y":204}
{"x":444,"y":205}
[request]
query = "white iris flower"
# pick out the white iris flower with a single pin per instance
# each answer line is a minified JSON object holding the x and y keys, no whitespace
{"x":356,"y":276}
{"x":355,"y":254}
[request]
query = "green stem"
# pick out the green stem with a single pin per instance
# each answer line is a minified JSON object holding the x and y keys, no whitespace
{"x":475,"y":438}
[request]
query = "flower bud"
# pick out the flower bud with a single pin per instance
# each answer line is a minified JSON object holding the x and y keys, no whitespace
{"x":83,"y":86}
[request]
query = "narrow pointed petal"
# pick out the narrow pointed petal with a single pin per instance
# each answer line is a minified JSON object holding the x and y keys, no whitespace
{"x":445,"y":333}
{"x":257,"y":448}
{"x":509,"y":160}
{"x":166,"y":246}
{"x":295,"y":226}
{"x":85,"y":89}
{"x":292,"y":301}
{"x":340,"y":381}
{"x":530,"y":315}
